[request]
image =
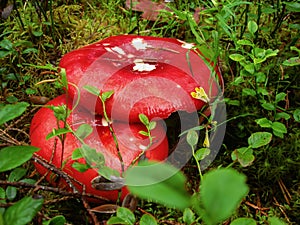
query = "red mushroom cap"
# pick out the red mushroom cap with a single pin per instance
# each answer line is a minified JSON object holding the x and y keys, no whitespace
{"x":129,"y":140}
{"x":149,"y":75}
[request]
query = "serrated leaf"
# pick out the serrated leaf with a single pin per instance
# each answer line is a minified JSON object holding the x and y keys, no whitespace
{"x":84,"y":131}
{"x":57,"y":132}
{"x":144,"y":119}
{"x":14,"y":156}
{"x":23,"y":211}
{"x":9,"y":112}
{"x":221,"y":192}
{"x":192,"y":138}
{"x":243,"y":221}
{"x":158,"y":182}
{"x":259,"y":139}
{"x":91,"y":89}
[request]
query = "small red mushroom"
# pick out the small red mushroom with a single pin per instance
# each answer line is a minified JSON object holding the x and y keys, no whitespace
{"x":150,"y":75}
{"x":131,"y":144}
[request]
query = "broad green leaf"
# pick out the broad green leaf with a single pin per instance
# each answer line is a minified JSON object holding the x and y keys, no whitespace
{"x":243,"y":221}
{"x":158,"y":182}
{"x":252,"y":27}
{"x":275,"y":221}
{"x":80,"y":167}
{"x":296,"y":115}
{"x":144,"y":119}
{"x":9,"y":112}
{"x":77,"y":154}
{"x":279,"y":127}
{"x":84,"y":131}
{"x":152,"y":125}
{"x":23,"y":211}
{"x":294,"y":61}
{"x":106,"y":95}
{"x":91,"y":89}
{"x":92,"y":157}
{"x":17,"y":174}
{"x":107,"y":172}
{"x":126,"y":215}
{"x":245,"y":42}
{"x":293,"y":6}
{"x":188,"y":216}
{"x":14,"y":156}
{"x":6,"y":44}
{"x":248,"y":92}
{"x":11,"y":192}
{"x":237,"y":57}
{"x":116,"y":220}
{"x":201,"y":153}
{"x":148,"y":220}
{"x":250,"y":68}
{"x":268,"y":106}
{"x":264,"y":122}
{"x":282,"y":115}
{"x":278,"y":134}
{"x":280,"y":97}
{"x":57,"y":220}
{"x":192,"y":138}
{"x":57,"y":132}
{"x":221,"y":192}
{"x":259,"y":139}
{"x":243,"y":155}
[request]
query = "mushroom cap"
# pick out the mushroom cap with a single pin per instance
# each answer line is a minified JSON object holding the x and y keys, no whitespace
{"x":150,"y":75}
{"x":129,"y":140}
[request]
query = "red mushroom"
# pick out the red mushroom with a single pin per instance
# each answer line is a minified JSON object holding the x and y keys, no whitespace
{"x":131,"y":144}
{"x":149,"y":75}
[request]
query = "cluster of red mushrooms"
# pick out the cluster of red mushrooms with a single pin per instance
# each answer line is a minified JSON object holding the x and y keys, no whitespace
{"x":148,"y":75}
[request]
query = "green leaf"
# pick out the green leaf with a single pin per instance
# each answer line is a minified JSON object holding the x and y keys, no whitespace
{"x":293,"y":6}
{"x":152,"y":125}
{"x":250,"y":68}
{"x":57,"y":132}
{"x":91,"y":89}
{"x":296,"y":115}
{"x":144,"y":119}
{"x":280,"y":97}
{"x":14,"y":156}
{"x":84,"y":131}
{"x":37,"y":33}
{"x":264,"y":122}
{"x":237,"y":57}
{"x":6,"y":44}
{"x":9,"y":112}
{"x":243,"y":221}
{"x":148,"y":220}
{"x":11,"y":193}
{"x":106,"y":95}
{"x":107,"y":172}
{"x":252,"y":27}
{"x":201,"y":153}
{"x":126,"y":215}
{"x":279,"y":127}
{"x":245,"y":42}
{"x":57,"y":220}
{"x":158,"y":182}
{"x":80,"y":167}
{"x":248,"y":92}
{"x":188,"y":216}
{"x":275,"y":221}
{"x":268,"y":106}
{"x":294,"y":61}
{"x":23,"y":211}
{"x":144,"y":133}
{"x":192,"y":138}
{"x":244,"y":156}
{"x":77,"y":154}
{"x":259,"y":139}
{"x":29,"y":50}
{"x":116,"y":220}
{"x":17,"y":174}
{"x":282,"y":115}
{"x":221,"y":192}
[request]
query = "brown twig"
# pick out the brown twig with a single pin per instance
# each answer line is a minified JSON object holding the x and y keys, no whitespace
{"x":281,"y":208}
{"x":287,"y":196}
